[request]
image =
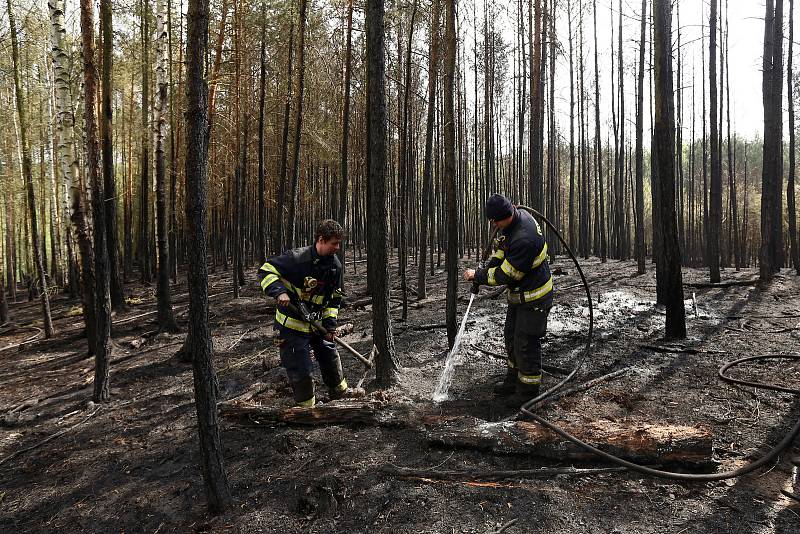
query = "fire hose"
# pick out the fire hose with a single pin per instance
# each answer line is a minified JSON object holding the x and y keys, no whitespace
{"x":526,"y":408}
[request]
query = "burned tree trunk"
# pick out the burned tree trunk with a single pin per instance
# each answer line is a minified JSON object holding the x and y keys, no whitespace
{"x":427,"y":165}
{"x":102,"y":356}
{"x":715,"y":208}
{"x":199,"y":336}
{"x":771,"y":252}
{"x":345,"y":153}
{"x":377,"y":196}
{"x":450,"y":168}
{"x":639,"y":228}
{"x":298,"y":121}
{"x":664,"y":146}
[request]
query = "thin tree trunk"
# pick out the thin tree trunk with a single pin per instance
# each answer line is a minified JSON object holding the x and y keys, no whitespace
{"x":261,"y":242}
{"x":279,"y":237}
{"x":450,"y":170}
{"x":109,"y":182}
{"x":298,"y":120}
{"x":715,"y":208}
{"x":640,"y":247}
{"x":198,"y":340}
{"x":146,"y":182}
{"x":790,"y":193}
{"x":166,"y":317}
{"x":102,"y":356}
{"x":28,"y":177}
{"x":404,"y":171}
{"x":598,"y":144}
{"x":345,"y":153}
{"x":433,"y":74}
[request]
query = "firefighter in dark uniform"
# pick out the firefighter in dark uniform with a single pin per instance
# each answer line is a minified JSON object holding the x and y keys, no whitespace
{"x":519,"y":262}
{"x":311,"y":275}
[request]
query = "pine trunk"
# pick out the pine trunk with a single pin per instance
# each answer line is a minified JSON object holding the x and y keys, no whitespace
{"x":198,"y":340}
{"x":377,"y":194}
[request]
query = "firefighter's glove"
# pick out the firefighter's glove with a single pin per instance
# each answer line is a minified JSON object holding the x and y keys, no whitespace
{"x":330,"y":324}
{"x":330,"y":335}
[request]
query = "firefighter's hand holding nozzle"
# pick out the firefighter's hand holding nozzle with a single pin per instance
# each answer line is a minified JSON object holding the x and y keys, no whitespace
{"x":283,"y":300}
{"x":469,"y":276}
{"x":331,"y":334}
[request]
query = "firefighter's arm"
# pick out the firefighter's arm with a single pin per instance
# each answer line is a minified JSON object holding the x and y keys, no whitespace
{"x":270,"y":273}
{"x":514,"y":265}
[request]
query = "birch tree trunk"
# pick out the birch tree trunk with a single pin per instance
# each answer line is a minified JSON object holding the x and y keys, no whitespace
{"x":166,"y":318}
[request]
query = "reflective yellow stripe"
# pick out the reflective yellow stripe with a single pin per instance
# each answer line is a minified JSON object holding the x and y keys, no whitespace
{"x":539,"y":292}
{"x":511,"y":271}
{"x":541,"y":257}
{"x":337,"y":293}
{"x":341,"y":386}
{"x":269,"y":279}
{"x":291,"y":322}
{"x":268,"y":267}
{"x":317,"y":299}
{"x":490,"y":276}
{"x":529,"y":379}
{"x":499,"y":254}
{"x":308,"y":403}
{"x":330,"y":312}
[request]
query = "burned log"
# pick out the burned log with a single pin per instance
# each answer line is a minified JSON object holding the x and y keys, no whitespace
{"x":339,"y":412}
{"x":635,"y":441}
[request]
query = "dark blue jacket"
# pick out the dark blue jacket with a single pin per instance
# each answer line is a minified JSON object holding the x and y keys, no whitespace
{"x":520,"y":261}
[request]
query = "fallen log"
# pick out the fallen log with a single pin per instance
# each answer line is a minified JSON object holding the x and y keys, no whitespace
{"x":636,"y":441}
{"x":541,"y":472}
{"x":339,"y":412}
{"x":728,"y":283}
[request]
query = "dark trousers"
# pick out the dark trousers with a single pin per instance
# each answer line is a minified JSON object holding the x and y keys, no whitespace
{"x":525,"y":325}
{"x":296,"y":359}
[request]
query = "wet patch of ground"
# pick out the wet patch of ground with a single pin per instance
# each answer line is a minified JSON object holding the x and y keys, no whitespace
{"x":131,"y":464}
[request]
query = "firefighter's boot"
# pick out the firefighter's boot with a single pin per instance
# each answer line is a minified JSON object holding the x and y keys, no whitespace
{"x":508,"y":385}
{"x":303,"y":392}
{"x":522,"y":394}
